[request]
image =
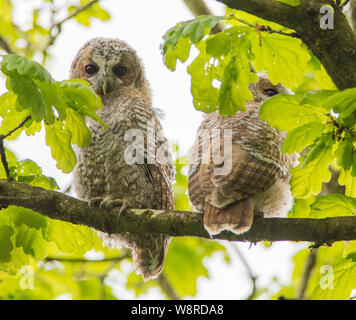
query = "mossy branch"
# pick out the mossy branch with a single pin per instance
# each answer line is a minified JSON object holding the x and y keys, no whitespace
{"x":60,"y":206}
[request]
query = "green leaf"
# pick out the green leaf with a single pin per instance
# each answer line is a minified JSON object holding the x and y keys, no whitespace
{"x":219,"y":44}
{"x":346,"y":179}
{"x":29,"y":172}
{"x":26,"y":237}
{"x":184,"y":264}
{"x":181,"y":200}
{"x":6,"y":245}
{"x":32,"y":127}
{"x":301,"y":208}
{"x":29,"y":96}
{"x":229,"y":99}
{"x":343,"y":281}
{"x":69,"y":238}
{"x":15,"y":65}
{"x":32,"y":242}
{"x":285,"y":59}
{"x":319,"y":98}
{"x":284,"y":112}
{"x":307,"y":178}
{"x":192,"y":31}
{"x":205,"y":95}
{"x":10,"y":117}
{"x":298,"y":138}
{"x":316,"y":150}
{"x":80,"y":97}
{"x":59,"y":140}
{"x":234,"y":90}
{"x":343,"y":102}
{"x":31,"y":219}
{"x":333,"y":205}
{"x":75,"y":123}
{"x":179,"y":52}
{"x":28,"y":167}
{"x":345,"y":154}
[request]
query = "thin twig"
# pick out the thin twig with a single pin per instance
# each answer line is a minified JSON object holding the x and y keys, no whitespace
{"x":2,"y":147}
{"x":340,"y":128}
{"x":252,"y":277}
{"x":308,"y":270}
{"x":83,"y":260}
{"x":56,"y":28}
{"x":344,"y":4}
{"x":3,"y":159}
{"x":166,"y":287}
{"x":18,"y":127}
{"x":270,"y":30}
{"x":76,"y":12}
{"x":5,"y":46}
{"x":264,"y":28}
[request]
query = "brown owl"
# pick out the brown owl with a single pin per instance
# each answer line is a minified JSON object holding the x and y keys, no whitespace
{"x":127,"y":164}
{"x":236,"y":166}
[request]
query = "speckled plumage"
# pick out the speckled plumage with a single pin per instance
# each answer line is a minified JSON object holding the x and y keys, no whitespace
{"x":256,"y":172}
{"x":102,"y":174}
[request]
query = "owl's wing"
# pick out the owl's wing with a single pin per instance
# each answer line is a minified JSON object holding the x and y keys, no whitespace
{"x":250,"y":162}
{"x":158,"y":165}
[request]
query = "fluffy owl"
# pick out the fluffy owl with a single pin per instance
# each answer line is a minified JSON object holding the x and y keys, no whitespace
{"x":127,"y":164}
{"x":236,"y":166}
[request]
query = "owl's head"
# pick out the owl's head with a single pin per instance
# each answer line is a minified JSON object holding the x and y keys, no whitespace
{"x":264,"y":89}
{"x":109,"y":65}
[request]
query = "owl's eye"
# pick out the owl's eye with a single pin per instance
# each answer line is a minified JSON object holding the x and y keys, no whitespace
{"x":270,"y":92}
{"x":91,"y":69}
{"x":120,"y":71}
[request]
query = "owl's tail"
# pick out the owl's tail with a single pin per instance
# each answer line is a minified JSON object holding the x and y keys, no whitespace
{"x":236,"y":217}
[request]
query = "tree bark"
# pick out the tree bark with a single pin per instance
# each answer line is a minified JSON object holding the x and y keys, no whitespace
{"x":59,"y":206}
{"x":335,"y":48}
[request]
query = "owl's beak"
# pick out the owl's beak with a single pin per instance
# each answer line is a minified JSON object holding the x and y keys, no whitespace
{"x":105,"y":87}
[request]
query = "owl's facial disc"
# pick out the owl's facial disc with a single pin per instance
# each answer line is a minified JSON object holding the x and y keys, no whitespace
{"x":114,"y":73}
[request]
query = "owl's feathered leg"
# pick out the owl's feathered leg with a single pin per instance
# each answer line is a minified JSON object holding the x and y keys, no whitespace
{"x":237,"y":217}
{"x":148,"y":251}
{"x":149,"y":254}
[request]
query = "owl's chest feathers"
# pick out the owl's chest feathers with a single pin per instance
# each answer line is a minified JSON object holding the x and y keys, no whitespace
{"x":101,"y":167}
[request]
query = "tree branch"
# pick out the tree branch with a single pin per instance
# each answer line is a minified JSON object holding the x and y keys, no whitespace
{"x":335,"y":48}
{"x":59,"y":206}
{"x":56,"y":27}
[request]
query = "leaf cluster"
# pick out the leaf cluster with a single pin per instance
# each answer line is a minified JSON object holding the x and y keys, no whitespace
{"x":221,"y":72}
{"x":59,"y":107}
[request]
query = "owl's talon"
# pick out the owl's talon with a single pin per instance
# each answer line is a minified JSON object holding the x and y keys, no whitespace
{"x":95,"y":201}
{"x":124,"y":206}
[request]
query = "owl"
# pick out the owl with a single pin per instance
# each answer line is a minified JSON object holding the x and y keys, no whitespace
{"x":127,"y":164}
{"x":236,"y":167}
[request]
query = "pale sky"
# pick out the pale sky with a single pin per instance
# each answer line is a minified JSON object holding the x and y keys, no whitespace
{"x":142,"y":24}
